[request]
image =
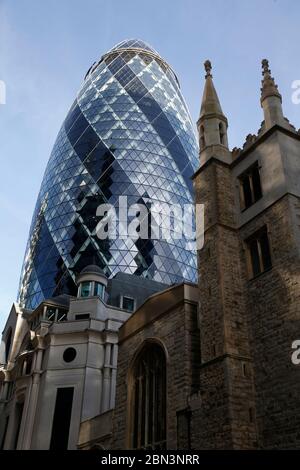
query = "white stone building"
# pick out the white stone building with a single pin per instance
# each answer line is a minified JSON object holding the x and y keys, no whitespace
{"x":58,"y":362}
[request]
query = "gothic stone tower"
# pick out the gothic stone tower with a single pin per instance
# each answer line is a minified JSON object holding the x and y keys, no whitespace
{"x":249,"y":279}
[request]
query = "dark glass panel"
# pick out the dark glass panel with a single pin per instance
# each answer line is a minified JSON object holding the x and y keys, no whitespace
{"x":128,"y":304}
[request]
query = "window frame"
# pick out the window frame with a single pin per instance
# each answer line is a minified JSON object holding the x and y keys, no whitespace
{"x":248,"y":173}
{"x":90,"y":289}
{"x":59,"y":315}
{"x":256,"y":236}
{"x":138,"y":359}
{"x":95,"y":286}
{"x":130,"y":298}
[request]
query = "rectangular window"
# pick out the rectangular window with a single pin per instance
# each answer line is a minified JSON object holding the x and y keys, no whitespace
{"x":127,"y":303}
{"x":259,"y":252}
{"x":85,"y":289}
{"x":62,"y":315}
{"x":82,"y":316}
{"x":250,"y":186}
{"x":18,"y":420}
{"x":62,"y":419}
{"x":50,"y":313}
{"x":99,"y":290}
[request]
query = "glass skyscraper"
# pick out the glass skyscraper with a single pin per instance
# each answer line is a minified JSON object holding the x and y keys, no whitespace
{"x":129,"y":133}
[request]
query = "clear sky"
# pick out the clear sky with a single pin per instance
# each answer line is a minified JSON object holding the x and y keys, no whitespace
{"x":46,"y":47}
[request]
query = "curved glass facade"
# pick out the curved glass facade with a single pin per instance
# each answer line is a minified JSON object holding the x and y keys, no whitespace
{"x":129,"y":133}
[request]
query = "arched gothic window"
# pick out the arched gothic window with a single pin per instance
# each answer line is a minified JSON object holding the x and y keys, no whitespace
{"x":149,"y":399}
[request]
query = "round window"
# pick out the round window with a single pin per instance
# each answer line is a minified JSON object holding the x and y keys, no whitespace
{"x":69,"y":354}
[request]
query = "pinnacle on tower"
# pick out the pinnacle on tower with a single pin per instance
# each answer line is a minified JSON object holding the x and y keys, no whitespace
{"x":212,"y":123}
{"x":210,"y":101}
{"x":269,"y":87}
{"x":271,"y":100}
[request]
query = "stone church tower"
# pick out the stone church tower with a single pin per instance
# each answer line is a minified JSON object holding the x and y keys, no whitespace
{"x":249,"y":279}
{"x":219,"y":355}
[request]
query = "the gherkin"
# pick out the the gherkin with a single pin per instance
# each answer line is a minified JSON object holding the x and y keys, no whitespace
{"x":128,"y":132}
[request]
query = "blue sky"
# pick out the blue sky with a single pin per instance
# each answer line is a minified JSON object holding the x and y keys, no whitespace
{"x":46,"y":47}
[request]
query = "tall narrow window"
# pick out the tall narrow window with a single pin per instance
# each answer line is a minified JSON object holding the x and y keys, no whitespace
{"x":4,"y":433}
{"x":149,"y":399}
{"x":202,"y":138}
{"x":221,"y":132}
{"x":250,"y":186}
{"x":99,"y":290}
{"x":18,"y":420}
{"x":8,"y":344}
{"x":259,"y":252}
{"x":62,"y":419}
{"x":86,"y":289}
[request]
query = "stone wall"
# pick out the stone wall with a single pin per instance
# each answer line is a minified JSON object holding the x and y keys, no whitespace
{"x":232,"y":384}
{"x":177,"y":332}
{"x":249,"y":389}
{"x":273,"y":311}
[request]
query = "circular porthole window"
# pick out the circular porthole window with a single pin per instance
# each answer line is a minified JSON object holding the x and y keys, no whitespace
{"x":69,"y":354}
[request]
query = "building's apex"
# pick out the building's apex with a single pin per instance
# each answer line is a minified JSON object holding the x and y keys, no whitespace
{"x":131,"y":47}
{"x":210,"y":102}
{"x":269,"y":87}
{"x":133,"y":44}
{"x":208,"y":67}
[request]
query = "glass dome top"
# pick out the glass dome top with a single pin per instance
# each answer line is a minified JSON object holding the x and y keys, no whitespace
{"x":128,"y":49}
{"x":133,"y":44}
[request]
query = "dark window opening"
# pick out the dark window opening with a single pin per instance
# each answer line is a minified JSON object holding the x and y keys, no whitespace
{"x":202,"y":138}
{"x":18,"y":420}
{"x":69,"y":354}
{"x":28,"y":364}
{"x":221,"y":133}
{"x":62,"y":419}
{"x":62,"y":315}
{"x":259,"y":252}
{"x":4,"y":433}
{"x":149,"y":399}
{"x":50,"y":313}
{"x":8,"y":344}
{"x":82,"y":316}
{"x":128,"y":303}
{"x":250,"y":186}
